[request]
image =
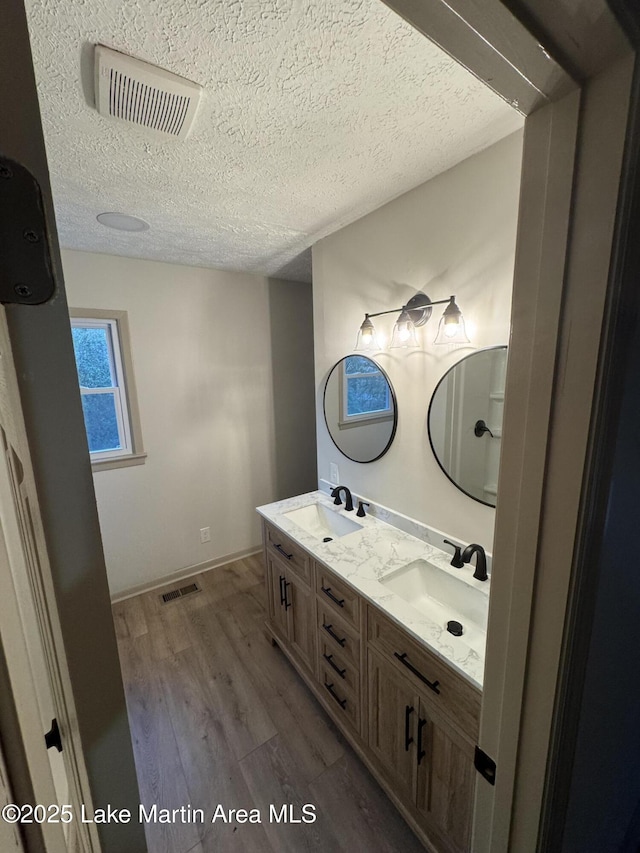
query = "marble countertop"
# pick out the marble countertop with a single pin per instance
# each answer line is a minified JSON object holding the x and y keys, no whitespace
{"x":364,"y":557}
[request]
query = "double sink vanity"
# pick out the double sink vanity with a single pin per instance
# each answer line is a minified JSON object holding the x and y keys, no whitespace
{"x":361,"y":608}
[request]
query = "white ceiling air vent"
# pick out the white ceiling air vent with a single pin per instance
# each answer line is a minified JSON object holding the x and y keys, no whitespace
{"x":134,"y":91}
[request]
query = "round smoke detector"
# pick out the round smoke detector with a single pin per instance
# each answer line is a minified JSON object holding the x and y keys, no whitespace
{"x":122,"y":222}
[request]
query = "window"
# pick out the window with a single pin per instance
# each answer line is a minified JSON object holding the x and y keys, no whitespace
{"x":366,"y":395}
{"x":105,"y":374}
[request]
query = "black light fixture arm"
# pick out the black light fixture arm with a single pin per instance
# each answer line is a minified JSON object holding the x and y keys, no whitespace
{"x":409,"y":307}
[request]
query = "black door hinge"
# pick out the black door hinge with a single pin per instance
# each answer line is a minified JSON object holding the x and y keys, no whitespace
{"x":485,"y":766}
{"x":26,"y":276}
{"x":52,"y":738}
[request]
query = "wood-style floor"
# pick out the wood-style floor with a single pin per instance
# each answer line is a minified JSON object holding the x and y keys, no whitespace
{"x":218,"y":715}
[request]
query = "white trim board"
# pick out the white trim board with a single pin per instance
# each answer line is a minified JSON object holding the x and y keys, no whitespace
{"x":185,"y":572}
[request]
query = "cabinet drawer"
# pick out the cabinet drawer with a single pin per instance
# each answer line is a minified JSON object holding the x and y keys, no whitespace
{"x":338,"y":595}
{"x":291,"y":554}
{"x":344,"y":701}
{"x":343,"y":668}
{"x":452,"y":695}
{"x":339,"y":635}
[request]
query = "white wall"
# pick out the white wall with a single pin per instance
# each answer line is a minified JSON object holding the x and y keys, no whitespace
{"x":454,"y":234}
{"x":206,"y":375}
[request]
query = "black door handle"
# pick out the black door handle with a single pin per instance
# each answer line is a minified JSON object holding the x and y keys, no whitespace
{"x":329,"y":594}
{"x":287,"y":604}
{"x":333,"y":665}
{"x":341,"y":702}
{"x":340,"y":640}
{"x":282,"y":551}
{"x":282,"y":595}
{"x":52,"y":738}
{"x":407,"y":740}
{"x":403,"y":660}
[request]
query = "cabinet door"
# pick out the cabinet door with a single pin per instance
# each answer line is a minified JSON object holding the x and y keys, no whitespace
{"x":276,"y":578}
{"x":445,"y":782}
{"x":393,"y":721}
{"x":302,"y":623}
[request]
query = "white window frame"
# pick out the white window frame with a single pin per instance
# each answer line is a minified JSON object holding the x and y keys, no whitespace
{"x":115,"y":324}
{"x":347,"y":420}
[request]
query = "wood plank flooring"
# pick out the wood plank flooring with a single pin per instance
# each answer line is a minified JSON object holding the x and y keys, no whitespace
{"x":219,"y":716}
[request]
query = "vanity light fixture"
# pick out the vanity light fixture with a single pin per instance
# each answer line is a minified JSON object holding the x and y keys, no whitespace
{"x":415,"y":313}
{"x":451,"y":329}
{"x":367,"y":337}
{"x":404,"y":332}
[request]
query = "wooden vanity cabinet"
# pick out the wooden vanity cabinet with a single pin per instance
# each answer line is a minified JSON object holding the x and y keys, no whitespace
{"x":426,"y":761}
{"x":302,"y":628}
{"x":394,"y":706}
{"x":291,"y":609}
{"x":411,"y":718}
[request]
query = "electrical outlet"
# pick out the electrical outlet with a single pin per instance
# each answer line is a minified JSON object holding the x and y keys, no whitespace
{"x":334,"y":473}
{"x":205,"y":534}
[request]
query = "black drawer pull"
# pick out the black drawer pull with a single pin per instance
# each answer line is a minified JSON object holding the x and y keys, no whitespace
{"x":407,"y":740}
{"x":333,"y":634}
{"x":282,"y":595}
{"x":327,"y":591}
{"x":287,"y":604}
{"x":282,"y":551}
{"x":403,"y":660}
{"x":329,"y":660}
{"x":341,"y":702}
{"x":421,"y":752}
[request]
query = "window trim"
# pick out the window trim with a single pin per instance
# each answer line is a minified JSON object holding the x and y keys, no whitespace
{"x":118,"y":323}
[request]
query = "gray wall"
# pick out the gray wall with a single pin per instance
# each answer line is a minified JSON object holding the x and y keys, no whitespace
{"x":291,"y":322}
{"x":223,"y":365}
{"x":43,"y":355}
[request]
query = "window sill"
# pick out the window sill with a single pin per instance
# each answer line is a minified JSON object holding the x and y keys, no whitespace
{"x":358,"y":422}
{"x":119,"y":462}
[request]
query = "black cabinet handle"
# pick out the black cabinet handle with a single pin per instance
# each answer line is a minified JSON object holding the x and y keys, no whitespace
{"x":282,"y":551}
{"x":327,"y":591}
{"x":421,"y":752}
{"x":341,"y":702}
{"x":329,"y":660}
{"x":403,"y":660}
{"x":333,"y":634}
{"x":282,"y":595}
{"x":287,"y":604}
{"x":407,"y":740}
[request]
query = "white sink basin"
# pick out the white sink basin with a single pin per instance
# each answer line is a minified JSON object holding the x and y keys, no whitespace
{"x":322,"y":522}
{"x":440,"y":595}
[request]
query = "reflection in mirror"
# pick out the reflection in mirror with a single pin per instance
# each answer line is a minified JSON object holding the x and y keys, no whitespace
{"x":465,"y":422}
{"x":360,"y":408}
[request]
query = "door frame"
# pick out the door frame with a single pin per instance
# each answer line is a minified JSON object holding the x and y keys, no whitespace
{"x":575,"y":91}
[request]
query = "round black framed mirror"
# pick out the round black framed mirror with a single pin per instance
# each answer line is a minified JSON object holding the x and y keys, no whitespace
{"x":360,"y":408}
{"x":465,"y":422}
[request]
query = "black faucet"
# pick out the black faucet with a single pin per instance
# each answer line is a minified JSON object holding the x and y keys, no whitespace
{"x":361,"y":505}
{"x":456,"y":560}
{"x":348,"y":499}
{"x":480,"y":573}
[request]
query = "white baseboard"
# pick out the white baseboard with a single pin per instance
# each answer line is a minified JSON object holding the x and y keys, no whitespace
{"x":186,"y":572}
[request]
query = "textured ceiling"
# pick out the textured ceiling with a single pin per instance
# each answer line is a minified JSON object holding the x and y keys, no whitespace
{"x":315,"y":112}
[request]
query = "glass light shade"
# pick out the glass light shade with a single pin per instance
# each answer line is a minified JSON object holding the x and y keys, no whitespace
{"x":367,"y":337}
{"x":451,"y":329}
{"x":404,"y":333}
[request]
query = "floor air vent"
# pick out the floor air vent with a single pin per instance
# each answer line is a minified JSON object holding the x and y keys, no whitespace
{"x":179,"y":593}
{"x":143,"y":94}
